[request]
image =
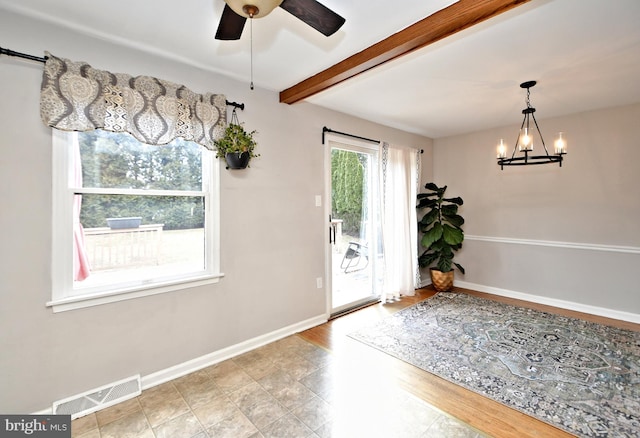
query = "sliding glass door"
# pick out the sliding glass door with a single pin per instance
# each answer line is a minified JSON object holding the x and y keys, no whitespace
{"x":354,"y":238}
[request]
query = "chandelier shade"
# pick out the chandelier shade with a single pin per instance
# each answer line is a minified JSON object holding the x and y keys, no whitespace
{"x":525,"y":142}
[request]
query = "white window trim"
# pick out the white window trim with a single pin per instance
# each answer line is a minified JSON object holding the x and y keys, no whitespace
{"x":62,"y":235}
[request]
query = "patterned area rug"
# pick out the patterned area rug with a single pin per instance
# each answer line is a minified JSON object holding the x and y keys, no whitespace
{"x":578,"y":376}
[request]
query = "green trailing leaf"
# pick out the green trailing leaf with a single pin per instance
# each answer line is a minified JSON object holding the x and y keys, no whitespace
{"x":236,"y":139}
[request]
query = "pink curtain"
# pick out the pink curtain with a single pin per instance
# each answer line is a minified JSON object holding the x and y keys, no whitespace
{"x":81,"y":268}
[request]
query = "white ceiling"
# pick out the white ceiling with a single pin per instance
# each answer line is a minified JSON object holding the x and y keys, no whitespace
{"x":585,"y":54}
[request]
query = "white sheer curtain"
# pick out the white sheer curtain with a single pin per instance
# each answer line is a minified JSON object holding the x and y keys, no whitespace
{"x":400,"y":180}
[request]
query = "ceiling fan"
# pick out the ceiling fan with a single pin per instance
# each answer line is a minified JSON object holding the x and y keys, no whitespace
{"x":311,"y":12}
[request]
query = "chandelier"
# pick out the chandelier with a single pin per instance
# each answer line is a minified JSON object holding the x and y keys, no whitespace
{"x":524,"y":144}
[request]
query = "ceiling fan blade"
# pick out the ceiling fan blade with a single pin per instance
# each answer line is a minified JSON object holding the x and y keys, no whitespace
{"x":231,"y":25}
{"x":315,"y":15}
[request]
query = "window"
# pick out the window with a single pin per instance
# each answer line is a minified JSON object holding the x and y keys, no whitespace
{"x":130,"y":219}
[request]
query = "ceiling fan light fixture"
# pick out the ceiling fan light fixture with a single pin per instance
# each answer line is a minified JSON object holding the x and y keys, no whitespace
{"x":253,"y":8}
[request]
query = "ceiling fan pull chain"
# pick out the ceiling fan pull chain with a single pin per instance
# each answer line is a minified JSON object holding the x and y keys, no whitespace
{"x":251,"y":47}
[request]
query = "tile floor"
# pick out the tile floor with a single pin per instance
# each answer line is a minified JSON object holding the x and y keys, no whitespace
{"x":287,"y":389}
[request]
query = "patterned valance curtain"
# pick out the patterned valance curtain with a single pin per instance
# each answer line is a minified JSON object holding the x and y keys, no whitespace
{"x":77,"y":97}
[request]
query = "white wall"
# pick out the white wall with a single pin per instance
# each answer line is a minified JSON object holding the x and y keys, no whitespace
{"x":272,"y":235}
{"x":539,"y":213}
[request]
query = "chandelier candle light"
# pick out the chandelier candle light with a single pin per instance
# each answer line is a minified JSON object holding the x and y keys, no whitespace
{"x":525,"y":142}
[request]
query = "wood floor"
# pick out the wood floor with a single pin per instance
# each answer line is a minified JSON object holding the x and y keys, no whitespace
{"x":482,"y":413}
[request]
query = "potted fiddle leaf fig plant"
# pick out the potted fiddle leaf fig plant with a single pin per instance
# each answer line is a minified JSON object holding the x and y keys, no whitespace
{"x":442,"y":235}
{"x":236,"y":146}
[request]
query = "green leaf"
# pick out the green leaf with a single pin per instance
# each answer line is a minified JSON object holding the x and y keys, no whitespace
{"x":457,"y":200}
{"x":445,"y":249}
{"x":429,"y":218}
{"x":432,"y":235}
{"x":431,"y":186}
{"x":444,"y":264}
{"x":425,"y":195}
{"x":427,"y":258}
{"x":452,"y":236}
{"x":449,"y":209}
{"x":459,"y":267}
{"x":455,"y":220}
{"x":427,"y":203}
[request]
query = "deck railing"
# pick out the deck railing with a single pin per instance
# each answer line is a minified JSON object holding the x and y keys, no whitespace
{"x":109,"y":248}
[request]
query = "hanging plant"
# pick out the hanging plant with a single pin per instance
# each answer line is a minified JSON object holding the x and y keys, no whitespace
{"x":236,"y":146}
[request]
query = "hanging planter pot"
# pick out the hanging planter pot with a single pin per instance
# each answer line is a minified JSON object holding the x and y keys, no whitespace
{"x":237,"y":160}
{"x":236,"y":146}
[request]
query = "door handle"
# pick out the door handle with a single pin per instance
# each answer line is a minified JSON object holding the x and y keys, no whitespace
{"x":332,"y":226}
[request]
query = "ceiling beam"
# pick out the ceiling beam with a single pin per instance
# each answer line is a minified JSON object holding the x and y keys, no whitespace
{"x":446,"y":22}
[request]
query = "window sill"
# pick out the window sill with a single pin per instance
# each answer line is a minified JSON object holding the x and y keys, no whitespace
{"x":80,"y":302}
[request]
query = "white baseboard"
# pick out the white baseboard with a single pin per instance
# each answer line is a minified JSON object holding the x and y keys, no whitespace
{"x":209,"y":359}
{"x":198,"y":363}
{"x":562,"y":304}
